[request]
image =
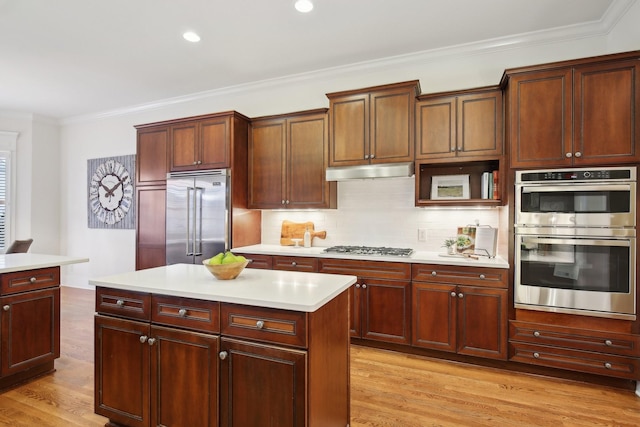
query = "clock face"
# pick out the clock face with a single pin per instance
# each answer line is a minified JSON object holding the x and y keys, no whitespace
{"x":110,"y":192}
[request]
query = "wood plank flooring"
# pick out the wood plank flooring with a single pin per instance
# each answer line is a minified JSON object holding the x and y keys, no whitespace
{"x":387,"y":389}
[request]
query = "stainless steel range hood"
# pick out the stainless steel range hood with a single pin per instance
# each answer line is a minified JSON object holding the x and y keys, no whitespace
{"x":389,"y":170}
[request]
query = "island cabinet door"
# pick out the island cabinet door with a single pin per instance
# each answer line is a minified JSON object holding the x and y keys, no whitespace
{"x":262,"y":385}
{"x":184,"y":378}
{"x":122,"y":371}
{"x":30,"y":329}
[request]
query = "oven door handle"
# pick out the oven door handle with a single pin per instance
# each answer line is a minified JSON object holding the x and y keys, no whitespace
{"x":626,"y":242}
{"x":575,"y":187}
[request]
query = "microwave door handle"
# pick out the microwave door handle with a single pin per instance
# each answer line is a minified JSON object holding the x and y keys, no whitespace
{"x":572,"y":186}
{"x":581,"y":242}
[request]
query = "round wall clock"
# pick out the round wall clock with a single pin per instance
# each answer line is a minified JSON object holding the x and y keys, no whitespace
{"x":110,"y":191}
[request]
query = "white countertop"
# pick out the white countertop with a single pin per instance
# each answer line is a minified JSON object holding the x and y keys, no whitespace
{"x":262,"y":288}
{"x":28,"y":261}
{"x":417,"y":257}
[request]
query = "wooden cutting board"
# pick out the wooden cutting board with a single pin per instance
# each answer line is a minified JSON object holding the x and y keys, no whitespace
{"x":295,"y":230}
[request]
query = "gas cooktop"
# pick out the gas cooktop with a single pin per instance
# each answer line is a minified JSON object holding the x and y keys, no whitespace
{"x":370,"y":250}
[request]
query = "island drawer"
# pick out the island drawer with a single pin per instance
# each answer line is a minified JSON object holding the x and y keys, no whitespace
{"x":118,"y":302}
{"x":187,"y":313}
{"x":263,"y":262}
{"x":29,"y":280}
{"x":264,"y":324}
{"x":460,"y":275}
{"x":291,"y":263}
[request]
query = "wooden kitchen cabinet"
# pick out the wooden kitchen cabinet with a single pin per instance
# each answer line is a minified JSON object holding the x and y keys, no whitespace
{"x":459,"y":124}
{"x":460,"y":309}
{"x":288,"y":156}
{"x":380,"y":301}
{"x":205,"y":142}
{"x":372,"y":125}
{"x":151,"y":155}
{"x":574,"y":113}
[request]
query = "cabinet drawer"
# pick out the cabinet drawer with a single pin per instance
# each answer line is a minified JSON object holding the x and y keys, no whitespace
{"x":264,"y":262}
{"x":264,"y":324}
{"x":578,"y":339}
{"x":129,"y":304}
{"x":576,"y":360}
{"x":29,"y":280}
{"x":375,"y":269}
{"x":476,"y":276}
{"x":310,"y":265}
{"x":186,"y":313}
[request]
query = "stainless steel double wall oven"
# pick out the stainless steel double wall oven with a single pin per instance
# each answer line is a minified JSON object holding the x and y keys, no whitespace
{"x":575,"y":248}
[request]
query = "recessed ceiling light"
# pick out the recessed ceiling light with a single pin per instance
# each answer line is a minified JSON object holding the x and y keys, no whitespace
{"x":303,"y":6}
{"x":191,"y":36}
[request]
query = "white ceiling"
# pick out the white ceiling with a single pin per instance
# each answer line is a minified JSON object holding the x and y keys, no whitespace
{"x":66,"y":58}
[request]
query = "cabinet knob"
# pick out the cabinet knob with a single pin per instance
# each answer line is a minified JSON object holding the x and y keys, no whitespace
{"x":120,"y":303}
{"x":482,"y":277}
{"x":459,"y":148}
{"x":568,"y":155}
{"x":151,"y":341}
{"x":286,"y":202}
{"x":293,"y":263}
{"x":536,"y":334}
{"x":195,"y":162}
{"x":199,"y":162}
{"x":357,"y":285}
{"x":578,"y":154}
{"x":260,"y":324}
{"x":143,"y":339}
{"x":366,"y":157}
{"x":33,"y":280}
{"x":282,"y":202}
{"x":373,"y":156}
{"x":453,"y":293}
{"x":364,"y":286}
{"x":460,"y":295}
{"x":223,"y":355}
{"x":182,"y":312}
{"x":608,"y":343}
{"x":6,"y":307}
{"x":433,"y":273}
{"x":453,"y":149}
{"x":608,"y":365}
{"x":536,"y":355}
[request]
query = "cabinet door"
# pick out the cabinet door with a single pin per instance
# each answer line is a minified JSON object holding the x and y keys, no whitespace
{"x":266,"y":164}
{"x":183,"y":146}
{"x":355,"y":310}
{"x":391,"y":126}
{"x":479,"y":122}
{"x":482,"y":322}
{"x":214,"y":147}
{"x":606,"y":105}
{"x":540,"y":119}
{"x":434,"y":316}
{"x":386,"y":310}
{"x":349,"y":130}
{"x":262,"y":382}
{"x":306,"y":162}
{"x":151,"y":228}
{"x":436,"y":128}
{"x":151,"y":159}
{"x":122,"y":371}
{"x":190,"y":360}
{"x":30,"y":329}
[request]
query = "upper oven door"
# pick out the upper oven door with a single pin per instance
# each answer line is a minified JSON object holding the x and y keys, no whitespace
{"x":576,"y":205}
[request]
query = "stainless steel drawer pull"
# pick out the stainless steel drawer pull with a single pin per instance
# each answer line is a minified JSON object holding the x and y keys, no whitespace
{"x":536,"y":355}
{"x":482,"y":277}
{"x":6,"y":307}
{"x":33,"y":280}
{"x":260,"y":324}
{"x":608,"y":365}
{"x":608,"y":343}
{"x":182,"y":312}
{"x":293,"y":263}
{"x":536,"y":334}
{"x":120,"y":303}
{"x":433,"y":273}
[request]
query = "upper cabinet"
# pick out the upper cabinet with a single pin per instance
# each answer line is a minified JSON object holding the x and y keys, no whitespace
{"x":372,"y":125}
{"x":575,"y":113}
{"x":288,"y":155}
{"x":152,"y":155}
{"x":203,"y":142}
{"x":459,"y":124}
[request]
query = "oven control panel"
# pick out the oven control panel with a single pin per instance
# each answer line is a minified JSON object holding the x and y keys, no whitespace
{"x":603,"y":174}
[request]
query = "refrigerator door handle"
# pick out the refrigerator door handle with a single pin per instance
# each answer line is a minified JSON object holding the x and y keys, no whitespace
{"x":190,"y":223}
{"x":197,"y":231}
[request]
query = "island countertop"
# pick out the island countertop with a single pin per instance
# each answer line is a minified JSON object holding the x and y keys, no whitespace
{"x":28,"y":261}
{"x":289,"y":290}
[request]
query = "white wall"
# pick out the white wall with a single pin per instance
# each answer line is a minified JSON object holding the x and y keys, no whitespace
{"x":369,"y":212}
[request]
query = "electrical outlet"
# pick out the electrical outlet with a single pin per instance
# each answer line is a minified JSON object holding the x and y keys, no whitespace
{"x":422,"y":234}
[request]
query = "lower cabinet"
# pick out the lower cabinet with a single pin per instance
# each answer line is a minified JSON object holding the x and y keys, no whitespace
{"x":449,"y":315}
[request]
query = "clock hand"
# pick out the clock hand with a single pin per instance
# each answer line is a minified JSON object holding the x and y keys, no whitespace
{"x":113,"y":189}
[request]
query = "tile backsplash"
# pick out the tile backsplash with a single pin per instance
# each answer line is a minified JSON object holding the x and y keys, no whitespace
{"x":381,"y":212}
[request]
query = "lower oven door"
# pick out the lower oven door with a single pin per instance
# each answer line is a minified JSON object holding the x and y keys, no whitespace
{"x":587,"y":276}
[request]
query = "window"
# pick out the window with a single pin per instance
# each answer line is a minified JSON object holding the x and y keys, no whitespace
{"x":7,"y":151}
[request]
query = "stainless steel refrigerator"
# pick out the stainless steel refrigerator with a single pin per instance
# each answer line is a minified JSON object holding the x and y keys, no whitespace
{"x":197,"y":215}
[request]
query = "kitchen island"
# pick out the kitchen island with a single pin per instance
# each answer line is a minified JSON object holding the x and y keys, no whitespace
{"x":175,"y":346}
{"x":30,"y":317}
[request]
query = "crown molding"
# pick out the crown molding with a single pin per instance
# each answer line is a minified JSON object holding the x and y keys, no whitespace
{"x":599,"y":28}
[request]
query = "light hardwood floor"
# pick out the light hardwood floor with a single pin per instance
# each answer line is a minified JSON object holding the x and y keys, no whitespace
{"x":387,"y":389}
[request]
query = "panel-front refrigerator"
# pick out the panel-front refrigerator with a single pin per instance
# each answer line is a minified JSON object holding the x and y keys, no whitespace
{"x":197,"y":215}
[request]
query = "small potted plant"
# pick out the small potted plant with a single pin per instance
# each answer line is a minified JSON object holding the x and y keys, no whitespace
{"x":450,"y":244}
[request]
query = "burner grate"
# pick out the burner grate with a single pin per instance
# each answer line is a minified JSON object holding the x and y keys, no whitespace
{"x":370,"y":250}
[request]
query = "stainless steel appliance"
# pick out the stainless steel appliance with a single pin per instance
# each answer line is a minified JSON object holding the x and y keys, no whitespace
{"x":370,"y":250}
{"x":575,"y":241}
{"x":197,"y":215}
